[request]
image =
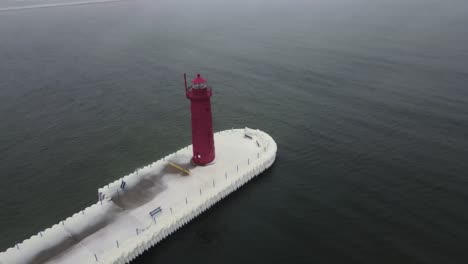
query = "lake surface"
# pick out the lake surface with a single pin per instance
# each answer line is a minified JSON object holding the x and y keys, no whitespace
{"x":367,"y":100}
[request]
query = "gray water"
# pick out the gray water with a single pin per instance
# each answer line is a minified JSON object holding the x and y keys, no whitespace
{"x":367,"y":100}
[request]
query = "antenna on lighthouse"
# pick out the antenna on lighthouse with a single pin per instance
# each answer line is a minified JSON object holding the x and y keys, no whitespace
{"x":185,"y":82}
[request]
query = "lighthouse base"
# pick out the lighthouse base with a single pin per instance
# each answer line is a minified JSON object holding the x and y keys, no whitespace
{"x":203,"y":165}
{"x":137,"y":211}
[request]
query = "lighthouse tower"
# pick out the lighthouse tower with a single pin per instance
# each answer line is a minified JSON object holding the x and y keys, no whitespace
{"x":202,"y":125}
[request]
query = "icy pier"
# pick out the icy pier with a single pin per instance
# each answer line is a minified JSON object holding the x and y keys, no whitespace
{"x":137,"y":211}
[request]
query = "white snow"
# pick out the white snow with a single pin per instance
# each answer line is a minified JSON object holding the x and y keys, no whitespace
{"x":119,"y":226}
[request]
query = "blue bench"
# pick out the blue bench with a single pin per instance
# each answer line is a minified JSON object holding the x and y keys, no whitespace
{"x":155,"y":211}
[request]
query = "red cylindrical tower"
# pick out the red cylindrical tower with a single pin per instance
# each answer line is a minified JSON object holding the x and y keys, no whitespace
{"x":202,"y":125}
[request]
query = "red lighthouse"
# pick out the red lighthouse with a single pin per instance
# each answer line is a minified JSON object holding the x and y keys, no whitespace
{"x":202,"y":125}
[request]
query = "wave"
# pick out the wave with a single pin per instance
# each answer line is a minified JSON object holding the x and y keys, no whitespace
{"x":15,"y":8}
